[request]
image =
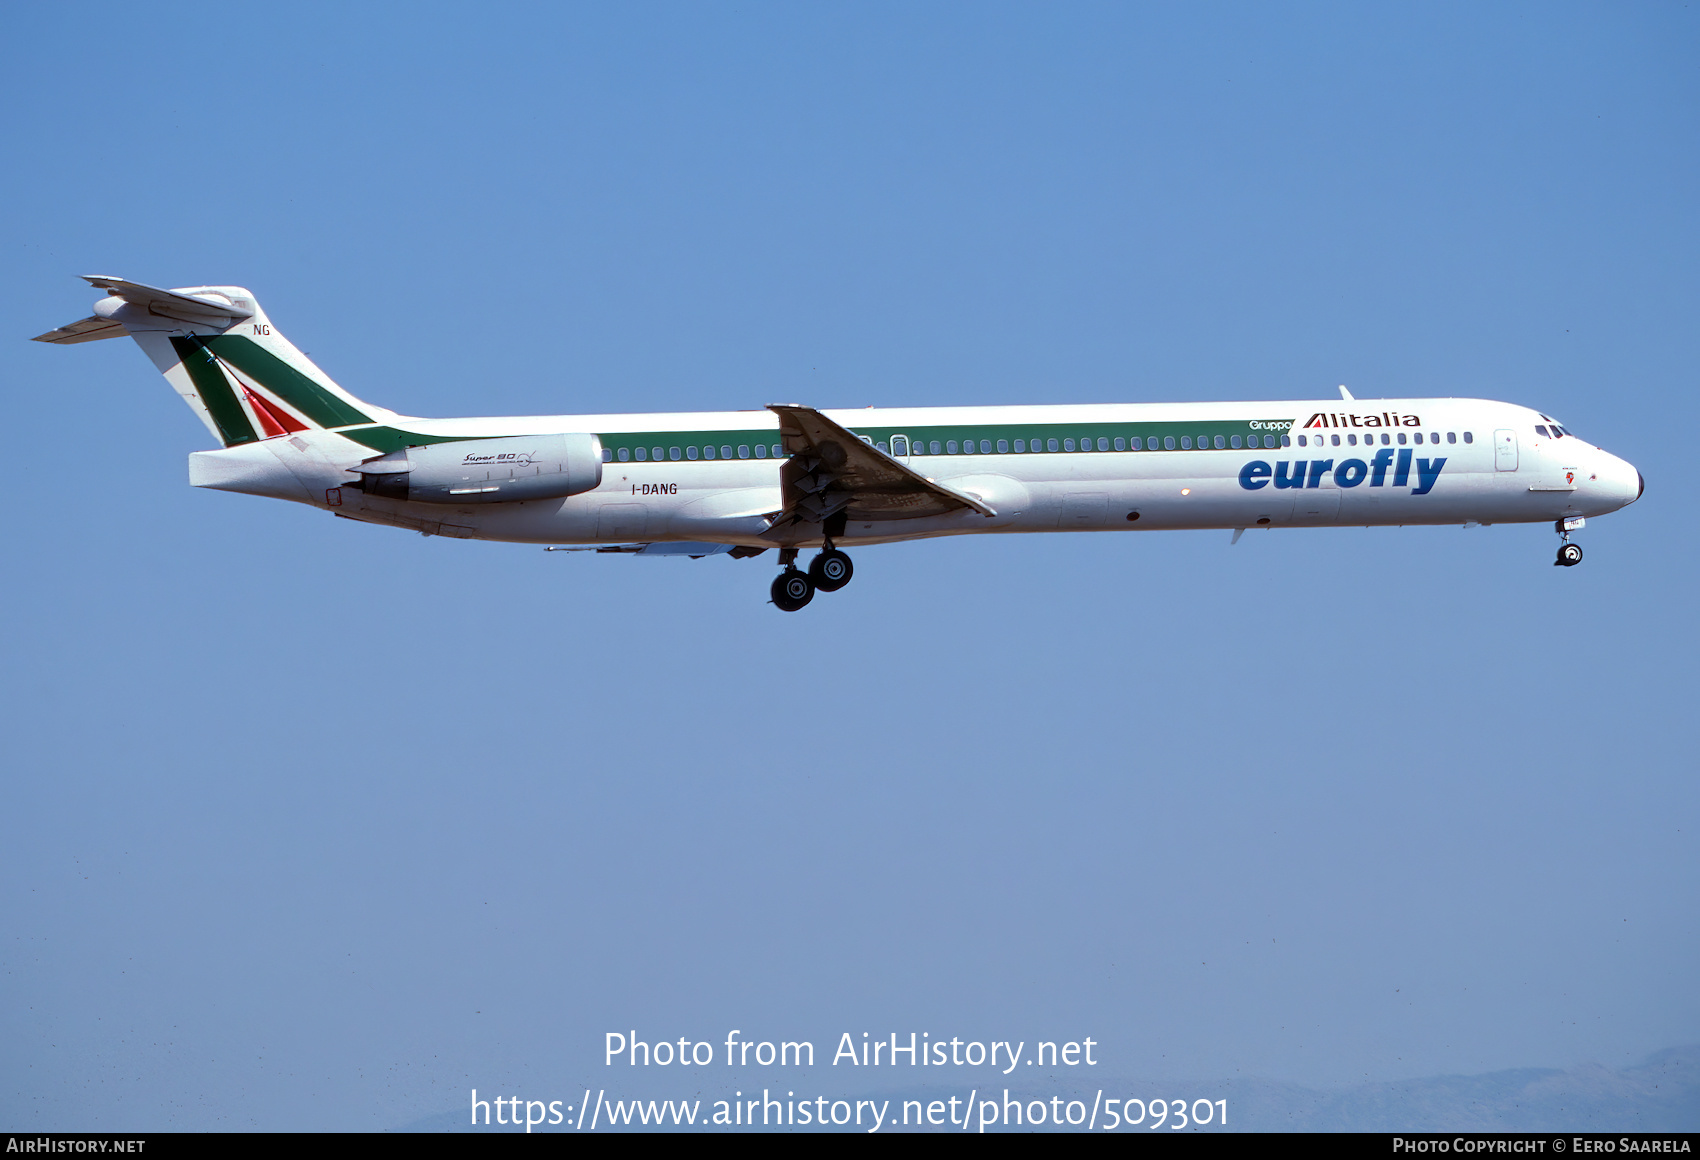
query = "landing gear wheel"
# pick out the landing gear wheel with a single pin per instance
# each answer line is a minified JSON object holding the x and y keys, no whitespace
{"x":831,"y":570}
{"x":791,"y":590}
{"x":1569,"y":556}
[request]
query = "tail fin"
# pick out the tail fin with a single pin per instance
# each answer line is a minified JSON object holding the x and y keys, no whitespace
{"x":219,"y":350}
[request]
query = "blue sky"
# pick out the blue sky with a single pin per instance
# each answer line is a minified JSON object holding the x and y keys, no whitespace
{"x":316,"y":825}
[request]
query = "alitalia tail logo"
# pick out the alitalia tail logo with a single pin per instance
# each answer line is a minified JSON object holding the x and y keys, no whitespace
{"x":1385,"y":419}
{"x":1348,"y":473}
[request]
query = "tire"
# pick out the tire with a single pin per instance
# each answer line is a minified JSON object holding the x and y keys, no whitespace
{"x":1570,"y":555}
{"x":792,"y":590}
{"x":831,"y":571}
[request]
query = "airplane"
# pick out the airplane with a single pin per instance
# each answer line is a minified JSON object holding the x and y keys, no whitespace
{"x":793,"y":478}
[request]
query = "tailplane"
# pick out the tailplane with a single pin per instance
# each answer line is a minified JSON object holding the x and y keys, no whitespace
{"x":219,"y":350}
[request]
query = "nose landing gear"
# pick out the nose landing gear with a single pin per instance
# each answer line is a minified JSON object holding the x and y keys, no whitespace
{"x":794,"y":588}
{"x":1569,"y":555}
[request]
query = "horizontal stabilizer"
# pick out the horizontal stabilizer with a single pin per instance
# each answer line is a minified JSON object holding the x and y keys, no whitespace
{"x":91,"y":329}
{"x":210,"y":307}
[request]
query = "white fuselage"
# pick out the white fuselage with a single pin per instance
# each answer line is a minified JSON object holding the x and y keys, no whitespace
{"x":714,"y":477}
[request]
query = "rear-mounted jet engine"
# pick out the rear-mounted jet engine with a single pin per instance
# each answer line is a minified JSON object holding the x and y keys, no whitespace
{"x":486,"y":470}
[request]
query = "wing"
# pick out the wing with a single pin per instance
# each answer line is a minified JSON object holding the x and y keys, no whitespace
{"x":835,"y":475}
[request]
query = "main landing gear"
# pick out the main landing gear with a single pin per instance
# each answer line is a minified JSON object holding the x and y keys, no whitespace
{"x":1569,"y":555}
{"x":794,"y":588}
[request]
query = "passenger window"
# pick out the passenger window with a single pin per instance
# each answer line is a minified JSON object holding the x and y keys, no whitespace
{"x":1452,"y":436}
{"x":1021,"y":446}
{"x":1352,"y":440}
{"x":985,"y":447}
{"x":1068,"y":445}
{"x":1186,"y":442}
{"x":761,"y":451}
{"x":625,"y":454}
{"x":1168,"y":443}
{"x":1287,"y":440}
{"x":725,"y":451}
{"x":1434,"y":436}
{"x":951,"y":447}
{"x":779,"y":451}
{"x":642,"y":454}
{"x":900,"y":445}
{"x":1301,"y":440}
{"x":708,"y":452}
{"x":658,"y":455}
{"x":1121,"y":444}
{"x":1050,"y":445}
{"x":1418,"y":437}
{"x":882,"y":446}
{"x":743,"y":451}
{"x":1103,"y":443}
{"x":690,"y":453}
{"x":1469,"y":438}
{"x":934,"y":448}
{"x":1136,"y":443}
{"x":1003,"y":446}
{"x":607,"y":454}
{"x":1401,"y":438}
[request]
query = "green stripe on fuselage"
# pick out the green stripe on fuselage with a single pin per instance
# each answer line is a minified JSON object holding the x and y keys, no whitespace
{"x":215,"y":390}
{"x":674,"y":446}
{"x":1033,"y":438}
{"x":300,"y":392}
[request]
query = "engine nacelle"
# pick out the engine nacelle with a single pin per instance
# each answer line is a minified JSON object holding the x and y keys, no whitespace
{"x":504,"y":470}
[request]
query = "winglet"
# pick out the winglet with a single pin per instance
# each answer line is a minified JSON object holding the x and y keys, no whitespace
{"x":1345,"y":394}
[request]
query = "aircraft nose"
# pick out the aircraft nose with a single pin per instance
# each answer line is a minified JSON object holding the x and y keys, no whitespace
{"x":1629,"y":480}
{"x":1634,"y":484}
{"x":1616,"y":481}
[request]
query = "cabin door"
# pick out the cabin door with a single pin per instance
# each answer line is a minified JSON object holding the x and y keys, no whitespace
{"x":1505,"y":450}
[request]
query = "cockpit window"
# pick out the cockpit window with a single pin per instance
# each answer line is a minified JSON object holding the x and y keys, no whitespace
{"x":1541,"y":429}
